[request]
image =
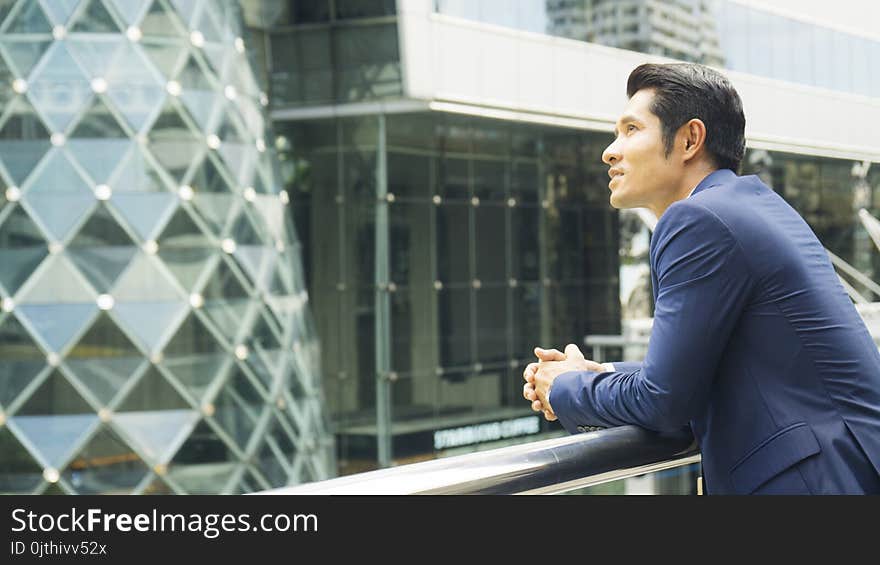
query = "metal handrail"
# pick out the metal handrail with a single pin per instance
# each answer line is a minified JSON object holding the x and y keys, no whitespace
{"x":542,"y":467}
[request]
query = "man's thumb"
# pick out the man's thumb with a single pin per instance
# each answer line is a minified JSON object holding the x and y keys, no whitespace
{"x":572,"y":352}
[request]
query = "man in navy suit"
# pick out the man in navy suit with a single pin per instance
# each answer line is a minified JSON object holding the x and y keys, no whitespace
{"x":755,"y":343}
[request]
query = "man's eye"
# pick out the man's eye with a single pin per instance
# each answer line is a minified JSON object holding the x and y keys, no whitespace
{"x":631,"y":128}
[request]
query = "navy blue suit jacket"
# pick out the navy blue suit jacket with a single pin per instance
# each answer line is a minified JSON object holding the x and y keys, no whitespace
{"x":755,"y":344}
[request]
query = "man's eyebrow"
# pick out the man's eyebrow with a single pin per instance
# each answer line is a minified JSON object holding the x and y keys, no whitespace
{"x":625,"y":119}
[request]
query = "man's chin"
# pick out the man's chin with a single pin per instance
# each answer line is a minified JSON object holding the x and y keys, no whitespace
{"x":616,"y":201}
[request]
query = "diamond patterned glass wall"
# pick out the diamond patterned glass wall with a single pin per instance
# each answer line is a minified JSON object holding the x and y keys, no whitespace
{"x":154,"y":333}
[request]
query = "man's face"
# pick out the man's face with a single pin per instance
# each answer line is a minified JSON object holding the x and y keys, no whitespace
{"x":641,"y":175}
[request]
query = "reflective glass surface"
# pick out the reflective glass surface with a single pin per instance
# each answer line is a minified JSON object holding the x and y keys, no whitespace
{"x":153,"y":310}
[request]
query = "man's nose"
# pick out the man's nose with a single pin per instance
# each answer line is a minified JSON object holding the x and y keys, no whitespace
{"x":611,"y":154}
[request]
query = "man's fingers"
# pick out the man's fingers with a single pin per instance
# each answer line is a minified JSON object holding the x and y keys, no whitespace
{"x":549,"y":354}
{"x":549,"y":416}
{"x":529,"y":372}
{"x":537,"y":406}
{"x":529,"y":392}
{"x":572,"y":352}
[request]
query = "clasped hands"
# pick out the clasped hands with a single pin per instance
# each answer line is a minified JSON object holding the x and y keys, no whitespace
{"x":552,"y":363}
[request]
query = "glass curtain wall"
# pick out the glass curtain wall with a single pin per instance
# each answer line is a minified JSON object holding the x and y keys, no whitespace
{"x":327,"y":51}
{"x":440,"y":249}
{"x":733,"y":34}
{"x":154,"y":333}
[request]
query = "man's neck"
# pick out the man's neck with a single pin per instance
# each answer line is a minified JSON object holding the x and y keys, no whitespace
{"x":688,"y":184}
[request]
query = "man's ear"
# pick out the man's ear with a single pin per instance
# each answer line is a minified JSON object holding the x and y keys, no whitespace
{"x":692,"y":137}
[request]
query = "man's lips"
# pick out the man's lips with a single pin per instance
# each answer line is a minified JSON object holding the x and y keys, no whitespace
{"x":615,"y":174}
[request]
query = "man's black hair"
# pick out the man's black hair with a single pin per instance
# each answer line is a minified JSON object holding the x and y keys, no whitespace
{"x":683,"y":91}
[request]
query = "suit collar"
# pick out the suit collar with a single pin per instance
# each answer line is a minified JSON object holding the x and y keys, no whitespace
{"x":714,"y":178}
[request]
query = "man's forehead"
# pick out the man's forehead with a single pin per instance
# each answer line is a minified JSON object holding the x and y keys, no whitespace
{"x":638,"y":107}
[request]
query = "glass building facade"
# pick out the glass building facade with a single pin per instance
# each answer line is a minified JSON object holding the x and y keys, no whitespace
{"x":155,"y":335}
{"x":752,"y":39}
{"x":440,"y":250}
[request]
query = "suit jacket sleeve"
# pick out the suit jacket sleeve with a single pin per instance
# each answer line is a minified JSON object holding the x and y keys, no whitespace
{"x":702,"y":284}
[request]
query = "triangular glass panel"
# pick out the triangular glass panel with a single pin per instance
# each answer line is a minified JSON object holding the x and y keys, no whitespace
{"x":103,"y":377}
{"x":228,"y":131}
{"x":58,"y":213}
{"x":199,"y":471}
{"x":269,"y":464}
{"x":188,"y":264}
{"x":130,"y":10}
{"x":209,"y":27}
{"x":104,"y":340}
{"x":95,"y":18}
{"x":19,"y":472}
{"x":201,"y":104}
{"x":143,"y":88}
{"x":245,"y":390}
{"x":218,"y":57}
{"x":20,"y":157}
{"x":209,"y":178}
{"x":56,"y":324}
{"x":160,"y":22}
{"x":197,"y":373}
{"x":173,"y":143}
{"x":166,"y":58}
{"x":101,"y":265}
{"x":58,"y":282}
{"x":224,"y":284}
{"x":29,"y":19}
{"x":272,"y":215}
{"x":233,"y":418}
{"x":59,"y":106}
{"x":101,"y":230}
{"x":57,"y":174}
{"x":265,"y":373}
{"x":186,"y":9}
{"x":185,"y":250}
{"x":215,"y":209}
{"x":150,"y":323}
{"x":24,"y":54}
{"x":59,"y":10}
{"x":20,"y":359}
{"x":144,"y":280}
{"x":98,"y":123}
{"x":106,"y":465}
{"x":245,"y":232}
{"x":194,"y":77}
{"x":137,"y":174}
{"x":226,"y":301}
{"x":146,"y":213}
{"x":152,"y":393}
{"x":157,"y":433}
{"x":23,"y":140}
{"x":263,"y":337}
{"x":192,"y":339}
{"x":239,"y":158}
{"x":23,"y":123}
{"x":96,"y":54}
{"x":99,"y":157}
{"x":22,"y":248}
{"x":55,"y":438}
{"x":54,"y":397}
{"x":258,"y":262}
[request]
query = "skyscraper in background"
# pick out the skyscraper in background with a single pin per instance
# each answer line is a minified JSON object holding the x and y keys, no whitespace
{"x":680,"y":29}
{"x":155,"y":333}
